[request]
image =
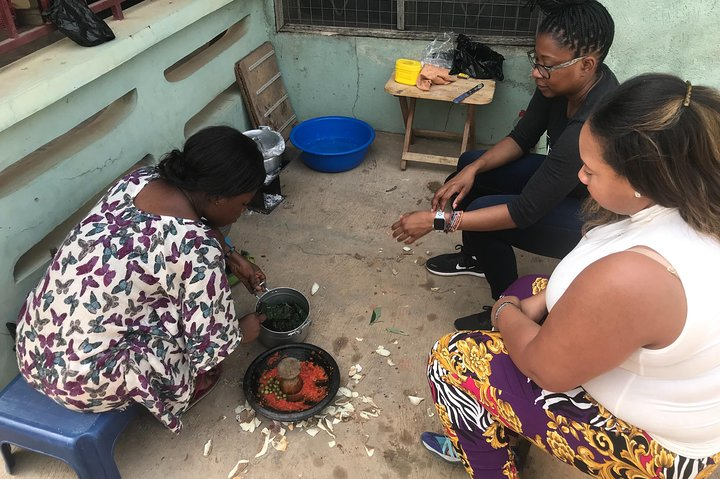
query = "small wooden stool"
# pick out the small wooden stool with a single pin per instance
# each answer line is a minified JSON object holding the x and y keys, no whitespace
{"x":85,"y":441}
{"x":409,"y":94}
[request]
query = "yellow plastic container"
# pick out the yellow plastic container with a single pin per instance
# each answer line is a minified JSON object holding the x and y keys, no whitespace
{"x":407,"y":71}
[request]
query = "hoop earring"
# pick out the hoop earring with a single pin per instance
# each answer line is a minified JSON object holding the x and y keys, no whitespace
{"x":638,"y":195}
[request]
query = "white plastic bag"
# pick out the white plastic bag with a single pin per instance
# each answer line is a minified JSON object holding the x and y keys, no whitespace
{"x":440,"y":51}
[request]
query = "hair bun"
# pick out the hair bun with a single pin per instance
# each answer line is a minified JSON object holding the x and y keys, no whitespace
{"x":174,"y":168}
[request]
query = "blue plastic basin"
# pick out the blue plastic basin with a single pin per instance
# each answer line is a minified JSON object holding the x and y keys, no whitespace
{"x":332,"y":143}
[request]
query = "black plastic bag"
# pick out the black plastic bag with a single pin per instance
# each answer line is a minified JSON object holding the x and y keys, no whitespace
{"x":477,"y":60}
{"x":75,"y":19}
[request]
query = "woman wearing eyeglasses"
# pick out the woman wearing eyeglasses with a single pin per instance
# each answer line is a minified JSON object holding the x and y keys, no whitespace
{"x":506,"y":197}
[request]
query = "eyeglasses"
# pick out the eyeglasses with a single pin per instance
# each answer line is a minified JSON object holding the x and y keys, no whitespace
{"x":544,"y":69}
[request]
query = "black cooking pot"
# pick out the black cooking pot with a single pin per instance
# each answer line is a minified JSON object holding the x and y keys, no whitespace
{"x":270,"y":359}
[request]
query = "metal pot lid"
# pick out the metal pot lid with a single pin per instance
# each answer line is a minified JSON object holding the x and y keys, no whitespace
{"x":270,"y":142}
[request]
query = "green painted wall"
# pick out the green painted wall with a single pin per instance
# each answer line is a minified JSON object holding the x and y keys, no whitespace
{"x":161,"y":113}
{"x":338,"y":75}
{"x":345,"y":75}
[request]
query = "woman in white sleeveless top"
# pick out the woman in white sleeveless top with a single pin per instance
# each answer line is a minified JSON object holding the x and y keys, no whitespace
{"x":622,"y":379}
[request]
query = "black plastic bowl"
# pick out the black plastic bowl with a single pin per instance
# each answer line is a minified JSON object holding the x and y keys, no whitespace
{"x":302,"y":352}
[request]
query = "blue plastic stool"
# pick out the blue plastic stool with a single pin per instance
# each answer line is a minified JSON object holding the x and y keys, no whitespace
{"x":85,"y":441}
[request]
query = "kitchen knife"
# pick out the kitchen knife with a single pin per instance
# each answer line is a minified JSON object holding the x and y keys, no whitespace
{"x":469,"y":92}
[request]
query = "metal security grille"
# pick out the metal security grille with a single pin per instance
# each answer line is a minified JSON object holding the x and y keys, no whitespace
{"x":491,"y":18}
{"x":487,"y":18}
{"x":373,"y":14}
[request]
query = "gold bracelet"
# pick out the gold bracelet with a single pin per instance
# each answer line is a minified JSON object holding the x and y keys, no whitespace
{"x":497,"y":312}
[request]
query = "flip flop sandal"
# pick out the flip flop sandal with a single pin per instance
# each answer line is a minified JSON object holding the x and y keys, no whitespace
{"x":211,"y":377}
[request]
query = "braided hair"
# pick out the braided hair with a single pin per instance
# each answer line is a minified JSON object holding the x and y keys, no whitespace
{"x":584,"y":26}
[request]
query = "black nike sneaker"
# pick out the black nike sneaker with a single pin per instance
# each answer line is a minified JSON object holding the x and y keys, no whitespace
{"x":455,"y":264}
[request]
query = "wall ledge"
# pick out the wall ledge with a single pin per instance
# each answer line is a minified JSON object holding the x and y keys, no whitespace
{"x":44,"y":77}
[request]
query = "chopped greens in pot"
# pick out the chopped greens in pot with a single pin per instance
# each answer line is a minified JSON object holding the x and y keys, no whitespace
{"x":283,"y":317}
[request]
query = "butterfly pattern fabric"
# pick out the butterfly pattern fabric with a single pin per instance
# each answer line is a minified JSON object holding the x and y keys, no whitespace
{"x":132,"y":307}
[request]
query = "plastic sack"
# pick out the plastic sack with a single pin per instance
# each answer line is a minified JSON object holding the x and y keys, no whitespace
{"x":440,"y":51}
{"x":80,"y":24}
{"x":477,"y":60}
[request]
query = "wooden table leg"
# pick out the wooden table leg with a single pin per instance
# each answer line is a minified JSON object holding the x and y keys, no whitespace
{"x":469,"y":130}
{"x":404,"y":109}
{"x":408,"y":132}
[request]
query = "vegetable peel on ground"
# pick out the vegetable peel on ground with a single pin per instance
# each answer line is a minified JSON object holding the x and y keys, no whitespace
{"x":276,"y":428}
{"x":250,"y":426}
{"x":281,"y":444}
{"x":369,"y":414}
{"x":382,"y":351}
{"x":235,"y":469}
{"x":341,"y":410}
{"x":207,"y":448}
{"x":263,"y":451}
{"x":369,"y":400}
{"x":322,"y":426}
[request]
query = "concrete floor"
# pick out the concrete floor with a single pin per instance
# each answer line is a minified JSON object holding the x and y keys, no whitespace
{"x":334,"y":230}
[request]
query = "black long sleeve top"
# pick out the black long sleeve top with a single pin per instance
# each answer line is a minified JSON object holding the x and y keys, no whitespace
{"x":557,"y":176}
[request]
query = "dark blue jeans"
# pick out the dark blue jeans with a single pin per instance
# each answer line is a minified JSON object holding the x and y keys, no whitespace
{"x":554,"y":235}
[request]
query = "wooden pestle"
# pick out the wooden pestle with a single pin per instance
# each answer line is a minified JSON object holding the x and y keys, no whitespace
{"x":289,"y":371}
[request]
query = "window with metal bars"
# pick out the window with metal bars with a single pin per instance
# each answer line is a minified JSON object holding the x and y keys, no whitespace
{"x":495,"y":21}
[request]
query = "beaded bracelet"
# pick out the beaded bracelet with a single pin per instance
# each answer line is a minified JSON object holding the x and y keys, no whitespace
{"x":454,"y":223}
{"x":230,"y":251}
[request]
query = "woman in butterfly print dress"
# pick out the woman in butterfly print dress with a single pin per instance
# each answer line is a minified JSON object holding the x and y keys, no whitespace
{"x":136,"y":306}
